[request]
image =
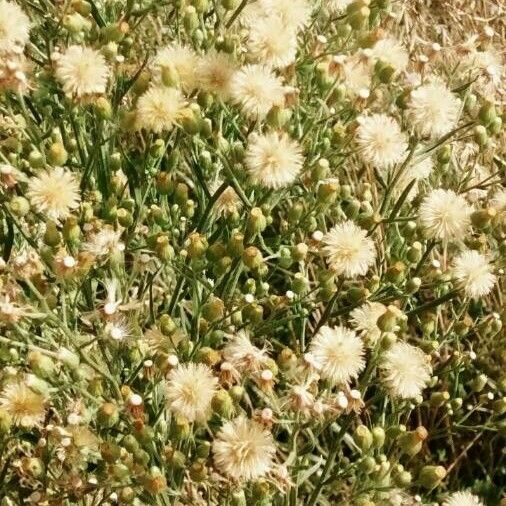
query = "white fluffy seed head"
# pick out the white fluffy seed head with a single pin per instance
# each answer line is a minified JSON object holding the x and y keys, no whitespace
{"x":159,"y":109}
{"x":381,"y":141}
{"x":348,"y":250}
{"x":433,"y":110}
{"x":243,"y":449}
{"x":14,"y":28}
{"x":256,"y":89}
{"x":339,"y":354}
{"x":189,"y":391}
{"x":406,"y":370}
{"x":273,"y":160}
{"x":463,"y":499}
{"x":444,"y":215}
{"x":82,"y":72}
{"x":473,"y":273}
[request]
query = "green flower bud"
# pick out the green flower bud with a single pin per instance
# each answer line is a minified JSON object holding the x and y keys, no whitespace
{"x":5,"y":422}
{"x":236,"y":393}
{"x":499,"y":406}
{"x":154,"y":482}
{"x":197,"y":246}
{"x":480,"y":136}
{"x":413,"y":285}
{"x":378,"y":435}
{"x":487,"y":114}
{"x":110,"y":451}
{"x":190,"y":19}
{"x":253,"y":313}
{"x":479,"y":383}
{"x":19,"y":206}
{"x":300,"y":283}
{"x":223,"y":404}
{"x":414,"y":253}
{"x":252,"y":257}
{"x":444,"y":154}
{"x":368,"y":464}
{"x":41,"y":365}
{"x":107,"y":415}
{"x":278,"y":117}
{"x":431,"y":476}
{"x":130,"y":443}
{"x":388,"y":320}
{"x":256,"y":222}
{"x":213,"y":310}
{"x":103,"y":108}
{"x":57,"y":155}
{"x":411,"y":442}
{"x":438,"y":399}
{"x":177,"y":459}
{"x":363,"y":437}
{"x":395,"y":273}
{"x":35,"y":159}
{"x":238,"y":498}
{"x":495,"y":126}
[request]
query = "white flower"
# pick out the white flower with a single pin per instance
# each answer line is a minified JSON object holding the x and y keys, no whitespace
{"x":293,"y":13}
{"x":339,"y":354}
{"x":433,"y":110}
{"x":463,"y":499}
{"x":26,"y":408}
{"x":444,"y":214}
{"x":159,"y":109}
{"x":406,"y":369}
{"x":381,"y":141}
{"x":183,"y":59}
{"x":391,"y":51}
{"x":356,"y":74}
{"x":14,"y":27}
{"x":54,"y":193}
{"x":474,"y":274}
{"x":106,"y":241}
{"x":190,"y":390}
{"x":273,"y":160}
{"x":256,"y":89}
{"x":243,"y":449}
{"x":348,"y":250}
{"x":243,"y":355}
{"x":82,"y":71}
{"x":365,"y":320}
{"x":272,"y":43}
{"x":214,"y":74}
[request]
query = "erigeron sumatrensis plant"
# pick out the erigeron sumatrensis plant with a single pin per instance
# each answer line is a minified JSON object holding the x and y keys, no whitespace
{"x":252,"y":252}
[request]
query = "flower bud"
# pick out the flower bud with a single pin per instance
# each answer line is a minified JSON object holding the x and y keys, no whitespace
{"x":252,"y":257}
{"x":154,"y":482}
{"x":438,"y":399}
{"x":480,"y":136}
{"x":363,"y":437}
{"x":411,"y":442}
{"x":107,"y":415}
{"x":414,"y":253}
{"x":479,"y":383}
{"x":256,"y":222}
{"x":103,"y":108}
{"x":499,"y":406}
{"x":482,"y":217}
{"x":213,"y":310}
{"x":388,"y":320}
{"x":431,"y":476}
{"x":487,"y":113}
{"x":19,"y":206}
{"x":41,"y":364}
{"x":57,"y":155}
{"x":378,"y":435}
{"x":413,"y":285}
{"x":5,"y":422}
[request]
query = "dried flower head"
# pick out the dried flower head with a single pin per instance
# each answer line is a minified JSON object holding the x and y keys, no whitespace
{"x":256,"y":89}
{"x":14,"y":28}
